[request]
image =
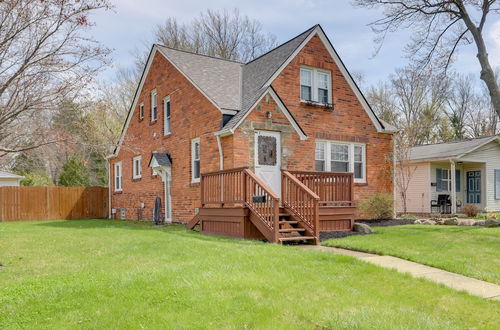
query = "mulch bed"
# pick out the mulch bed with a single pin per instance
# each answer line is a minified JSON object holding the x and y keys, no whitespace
{"x":324,"y":235}
{"x":388,"y":222}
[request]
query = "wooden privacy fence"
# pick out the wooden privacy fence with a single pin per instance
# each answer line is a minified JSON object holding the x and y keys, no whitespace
{"x":50,"y":203}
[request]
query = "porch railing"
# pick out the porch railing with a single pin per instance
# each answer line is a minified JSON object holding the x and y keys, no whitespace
{"x":301,"y":201}
{"x":333,"y":188}
{"x":240,"y":186}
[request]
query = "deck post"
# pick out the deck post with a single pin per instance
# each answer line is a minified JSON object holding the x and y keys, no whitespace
{"x":453,"y":187}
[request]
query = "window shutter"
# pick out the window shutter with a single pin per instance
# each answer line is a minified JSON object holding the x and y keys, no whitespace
{"x":497,"y":184}
{"x":457,"y":180}
{"x":439,"y":181}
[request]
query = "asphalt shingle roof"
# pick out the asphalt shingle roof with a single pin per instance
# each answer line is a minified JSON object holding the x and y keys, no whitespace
{"x":220,"y":79}
{"x":447,"y":150}
{"x":162,"y":158}
{"x":7,"y":175}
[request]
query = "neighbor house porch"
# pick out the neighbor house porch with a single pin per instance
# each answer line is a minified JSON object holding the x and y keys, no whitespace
{"x":449,"y":192}
{"x":237,"y":203}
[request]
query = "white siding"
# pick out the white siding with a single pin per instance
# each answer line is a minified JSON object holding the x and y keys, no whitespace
{"x":489,"y":154}
{"x":4,"y":182}
{"x":417,"y":200}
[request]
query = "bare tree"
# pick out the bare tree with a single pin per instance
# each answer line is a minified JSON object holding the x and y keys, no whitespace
{"x":460,"y":103}
{"x":438,"y":29}
{"x":404,"y":169}
{"x":44,"y":58}
{"x":225,"y":34}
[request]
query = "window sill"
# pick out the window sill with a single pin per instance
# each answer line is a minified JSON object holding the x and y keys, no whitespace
{"x":329,"y":106}
{"x":141,"y":119}
{"x":117,"y":192}
{"x":167,"y":135}
{"x":137,"y":179}
{"x":360,"y":184}
{"x":152,"y":122}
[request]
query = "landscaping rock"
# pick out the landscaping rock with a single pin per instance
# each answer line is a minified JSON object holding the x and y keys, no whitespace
{"x":439,"y":222}
{"x":490,"y":223}
{"x":418,"y":222}
{"x":362,"y":228}
{"x":451,"y":222}
{"x":479,"y":223}
{"x":429,"y":222}
{"x":466,"y":222}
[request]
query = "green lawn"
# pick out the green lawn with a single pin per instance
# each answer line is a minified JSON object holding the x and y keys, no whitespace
{"x":471,"y":251}
{"x":119,"y":274}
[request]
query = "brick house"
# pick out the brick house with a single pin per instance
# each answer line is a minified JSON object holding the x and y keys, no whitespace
{"x":191,"y":134}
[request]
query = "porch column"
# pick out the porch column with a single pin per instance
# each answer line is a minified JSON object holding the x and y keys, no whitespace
{"x":453,"y":194}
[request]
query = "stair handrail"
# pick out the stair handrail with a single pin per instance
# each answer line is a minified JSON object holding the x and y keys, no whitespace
{"x":267,"y":210}
{"x":305,"y":205}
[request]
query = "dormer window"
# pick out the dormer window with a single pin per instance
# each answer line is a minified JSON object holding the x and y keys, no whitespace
{"x":315,"y":85}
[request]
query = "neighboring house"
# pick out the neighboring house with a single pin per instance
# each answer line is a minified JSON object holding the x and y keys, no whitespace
{"x":462,"y":172}
{"x":10,"y":179}
{"x":193,"y":114}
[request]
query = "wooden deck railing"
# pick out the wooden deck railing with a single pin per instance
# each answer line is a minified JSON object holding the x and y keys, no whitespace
{"x":301,"y":201}
{"x":333,"y":188}
{"x":241,"y":186}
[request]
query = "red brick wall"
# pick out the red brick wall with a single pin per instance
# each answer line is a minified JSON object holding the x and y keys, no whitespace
{"x":192,"y":115}
{"x":348,"y":122}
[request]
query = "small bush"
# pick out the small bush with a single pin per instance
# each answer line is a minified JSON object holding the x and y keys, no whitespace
{"x":408,"y":216}
{"x":378,"y":206}
{"x":470,"y":210}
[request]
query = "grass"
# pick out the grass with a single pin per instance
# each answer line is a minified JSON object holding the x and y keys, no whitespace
{"x":470,"y":251}
{"x":123,"y":274}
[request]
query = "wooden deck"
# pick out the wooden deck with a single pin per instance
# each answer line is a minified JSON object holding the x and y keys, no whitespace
{"x":236,"y":203}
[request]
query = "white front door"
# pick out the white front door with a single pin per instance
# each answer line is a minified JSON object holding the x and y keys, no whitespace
{"x":268,"y":159}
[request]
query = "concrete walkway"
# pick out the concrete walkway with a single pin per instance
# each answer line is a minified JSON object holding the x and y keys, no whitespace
{"x":455,"y":281}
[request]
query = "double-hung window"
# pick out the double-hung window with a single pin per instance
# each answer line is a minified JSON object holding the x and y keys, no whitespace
{"x":154,"y":106}
{"x":195,"y":160}
{"x":333,"y":156}
{"x":166,"y":115}
{"x":137,"y":167}
{"x":315,"y":85}
{"x":118,"y":176}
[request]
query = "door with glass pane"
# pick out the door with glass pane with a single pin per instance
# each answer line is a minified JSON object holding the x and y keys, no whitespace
{"x":268,"y":159}
{"x":474,"y":187}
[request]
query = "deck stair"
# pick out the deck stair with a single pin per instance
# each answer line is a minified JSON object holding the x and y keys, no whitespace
{"x":291,"y":231}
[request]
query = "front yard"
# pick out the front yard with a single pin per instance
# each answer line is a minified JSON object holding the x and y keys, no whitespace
{"x":470,"y":251}
{"x":125,"y":274}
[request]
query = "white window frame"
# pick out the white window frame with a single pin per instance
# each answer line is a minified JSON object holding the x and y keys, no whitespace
{"x":315,"y":83}
{"x":166,"y":119}
{"x":447,"y":180}
{"x":328,"y":156}
{"x":193,"y":159}
{"x":154,"y":105}
{"x":137,"y":167}
{"x":118,"y":176}
{"x":141,"y":111}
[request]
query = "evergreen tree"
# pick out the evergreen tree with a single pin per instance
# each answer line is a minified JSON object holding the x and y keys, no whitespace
{"x":74,"y":173}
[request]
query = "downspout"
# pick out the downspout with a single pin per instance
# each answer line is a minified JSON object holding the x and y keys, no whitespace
{"x":108,"y":163}
{"x":221,"y":154}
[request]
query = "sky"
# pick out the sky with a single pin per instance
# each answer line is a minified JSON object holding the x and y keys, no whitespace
{"x":129,"y":26}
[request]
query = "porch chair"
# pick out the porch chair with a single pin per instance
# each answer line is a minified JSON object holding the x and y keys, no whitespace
{"x":443,"y":203}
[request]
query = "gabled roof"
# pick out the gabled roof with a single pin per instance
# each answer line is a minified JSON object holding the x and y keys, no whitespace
{"x":7,"y":175}
{"x":160,"y":159}
{"x":220,"y":79}
{"x":450,"y":150}
{"x":234,"y":87}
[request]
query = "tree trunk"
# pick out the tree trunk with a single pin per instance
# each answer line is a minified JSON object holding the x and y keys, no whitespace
{"x":487,"y":74}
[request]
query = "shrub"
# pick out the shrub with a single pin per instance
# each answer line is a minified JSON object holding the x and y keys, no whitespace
{"x":470,"y":210}
{"x":408,"y":216}
{"x":36,"y":179}
{"x":378,"y":206}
